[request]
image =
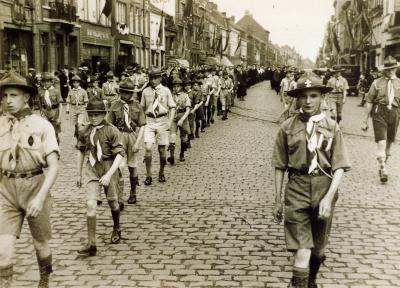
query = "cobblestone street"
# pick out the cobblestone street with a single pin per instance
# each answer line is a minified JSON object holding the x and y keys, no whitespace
{"x":210,"y":224}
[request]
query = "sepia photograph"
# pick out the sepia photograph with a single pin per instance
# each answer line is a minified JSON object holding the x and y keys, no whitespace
{"x":199,"y":143}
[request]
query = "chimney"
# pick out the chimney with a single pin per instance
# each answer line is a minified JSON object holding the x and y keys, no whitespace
{"x":247,"y":12}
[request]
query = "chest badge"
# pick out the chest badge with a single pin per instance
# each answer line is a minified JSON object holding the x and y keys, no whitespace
{"x":30,"y":140}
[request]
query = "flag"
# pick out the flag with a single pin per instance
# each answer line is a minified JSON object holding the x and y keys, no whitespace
{"x":348,"y":26}
{"x":335,"y":39}
{"x":219,"y":45}
{"x":160,"y":29}
{"x":188,"y":9}
{"x":201,"y":27}
{"x":107,"y":9}
{"x":239,"y":44}
{"x":227,"y":40}
{"x":143,"y":41}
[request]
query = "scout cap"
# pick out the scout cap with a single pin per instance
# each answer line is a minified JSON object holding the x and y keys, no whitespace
{"x":389,"y":63}
{"x":96,"y":106}
{"x":306,"y":82}
{"x":13,"y":79}
{"x":177,"y":81}
{"x":127,"y":85}
{"x":76,"y":78}
{"x":110,"y":74}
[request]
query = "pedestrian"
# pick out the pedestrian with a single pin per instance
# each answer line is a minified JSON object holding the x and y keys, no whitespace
{"x":197,"y":105}
{"x":159,"y":107}
{"x":95,"y":93}
{"x":191,"y":117}
{"x":77,"y":100}
{"x":100,"y":153}
{"x":180,"y":122}
{"x":310,"y":147}
{"x":64,"y":86}
{"x":51,"y":103}
{"x":383,"y":106}
{"x":128,"y":116}
{"x":337,"y":96}
{"x":216,"y":89}
{"x":226,"y":85}
{"x":29,"y":144}
{"x":241,"y":83}
{"x":284,"y":88}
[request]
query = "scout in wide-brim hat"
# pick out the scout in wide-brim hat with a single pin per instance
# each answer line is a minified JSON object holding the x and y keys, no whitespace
{"x":389,"y":63}
{"x":96,"y":107}
{"x":47,"y":76}
{"x":154,"y":73}
{"x":177,"y":81}
{"x":197,"y":81}
{"x":13,"y":79}
{"x":336,"y":69}
{"x":308,"y":81}
{"x":127,"y":85}
{"x":76,"y":78}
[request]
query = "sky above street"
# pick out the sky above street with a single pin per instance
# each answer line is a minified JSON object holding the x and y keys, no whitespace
{"x":298,"y":23}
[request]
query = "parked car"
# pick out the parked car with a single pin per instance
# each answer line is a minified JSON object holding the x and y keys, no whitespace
{"x":352,"y":75}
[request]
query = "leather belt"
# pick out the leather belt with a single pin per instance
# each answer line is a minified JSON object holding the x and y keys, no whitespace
{"x":181,"y":111}
{"x":158,"y":116}
{"x":316,"y":172}
{"x":28,"y":174}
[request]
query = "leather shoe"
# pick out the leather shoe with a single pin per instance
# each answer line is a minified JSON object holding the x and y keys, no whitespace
{"x":132,"y":199}
{"x":148,"y":181}
{"x":161,"y":178}
{"x":88,"y":250}
{"x":116,"y":236}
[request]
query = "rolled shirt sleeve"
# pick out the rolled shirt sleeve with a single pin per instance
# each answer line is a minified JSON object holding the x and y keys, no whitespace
{"x":340,"y":157}
{"x":49,"y":140}
{"x":372,"y":93}
{"x":280,"y":158}
{"x":171,"y":103}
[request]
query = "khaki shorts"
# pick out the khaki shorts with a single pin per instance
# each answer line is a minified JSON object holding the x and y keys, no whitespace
{"x":128,"y":140}
{"x":156,"y":130}
{"x":15,"y":195}
{"x":92,"y":176}
{"x":303,"y":228}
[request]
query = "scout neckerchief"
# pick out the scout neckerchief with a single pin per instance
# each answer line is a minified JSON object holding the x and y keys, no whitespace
{"x":156,"y":102}
{"x":126,"y":116}
{"x":312,"y":139}
{"x":47,"y":96}
{"x":390,"y":92}
{"x":14,"y":122}
{"x":77,"y":95}
{"x":96,"y":144}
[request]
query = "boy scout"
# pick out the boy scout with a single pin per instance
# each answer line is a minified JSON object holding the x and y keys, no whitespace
{"x":191,"y":117}
{"x":209,"y":90}
{"x":128,"y":116}
{"x":110,"y":89}
{"x":95,"y":93}
{"x":197,"y":106}
{"x":180,"y":121}
{"x":383,"y":105}
{"x":310,"y":147}
{"x":51,"y":103}
{"x":338,"y":95}
{"x":159,"y":107}
{"x":100,"y":148}
{"x":76,"y":101}
{"x":27,"y":145}
{"x":226,"y":85}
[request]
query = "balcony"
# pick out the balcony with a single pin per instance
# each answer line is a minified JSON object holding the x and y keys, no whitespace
{"x":61,"y":11}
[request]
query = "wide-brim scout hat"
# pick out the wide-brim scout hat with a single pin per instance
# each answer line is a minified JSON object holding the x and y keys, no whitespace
{"x":306,"y":82}
{"x":187,"y":82}
{"x":336,"y":69}
{"x":13,"y":79}
{"x":129,"y":69}
{"x":177,"y":81}
{"x":389,"y":63}
{"x":154,"y":73}
{"x":47,"y":76}
{"x":127,"y":85}
{"x":197,"y":80}
{"x":96,"y":106}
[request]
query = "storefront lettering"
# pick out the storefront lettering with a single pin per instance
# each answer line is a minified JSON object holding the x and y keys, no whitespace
{"x":97,"y":34}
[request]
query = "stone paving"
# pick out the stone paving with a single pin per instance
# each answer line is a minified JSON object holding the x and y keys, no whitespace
{"x":210,"y":224}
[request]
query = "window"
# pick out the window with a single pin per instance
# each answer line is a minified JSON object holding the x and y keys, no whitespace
{"x":121,"y":13}
{"x":137,"y":16}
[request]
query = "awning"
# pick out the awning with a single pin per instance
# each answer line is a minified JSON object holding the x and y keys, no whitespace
{"x":226,"y":62}
{"x":212,"y":61}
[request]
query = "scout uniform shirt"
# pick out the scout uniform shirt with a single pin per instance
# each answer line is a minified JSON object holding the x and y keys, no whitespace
{"x":339,"y":85}
{"x":127,"y":116}
{"x":50,"y":99}
{"x":95,"y":94}
{"x":182,"y":102}
{"x":25,"y":142}
{"x":291,"y":151}
{"x":157,"y":102}
{"x":77,"y":97}
{"x":385,"y":91}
